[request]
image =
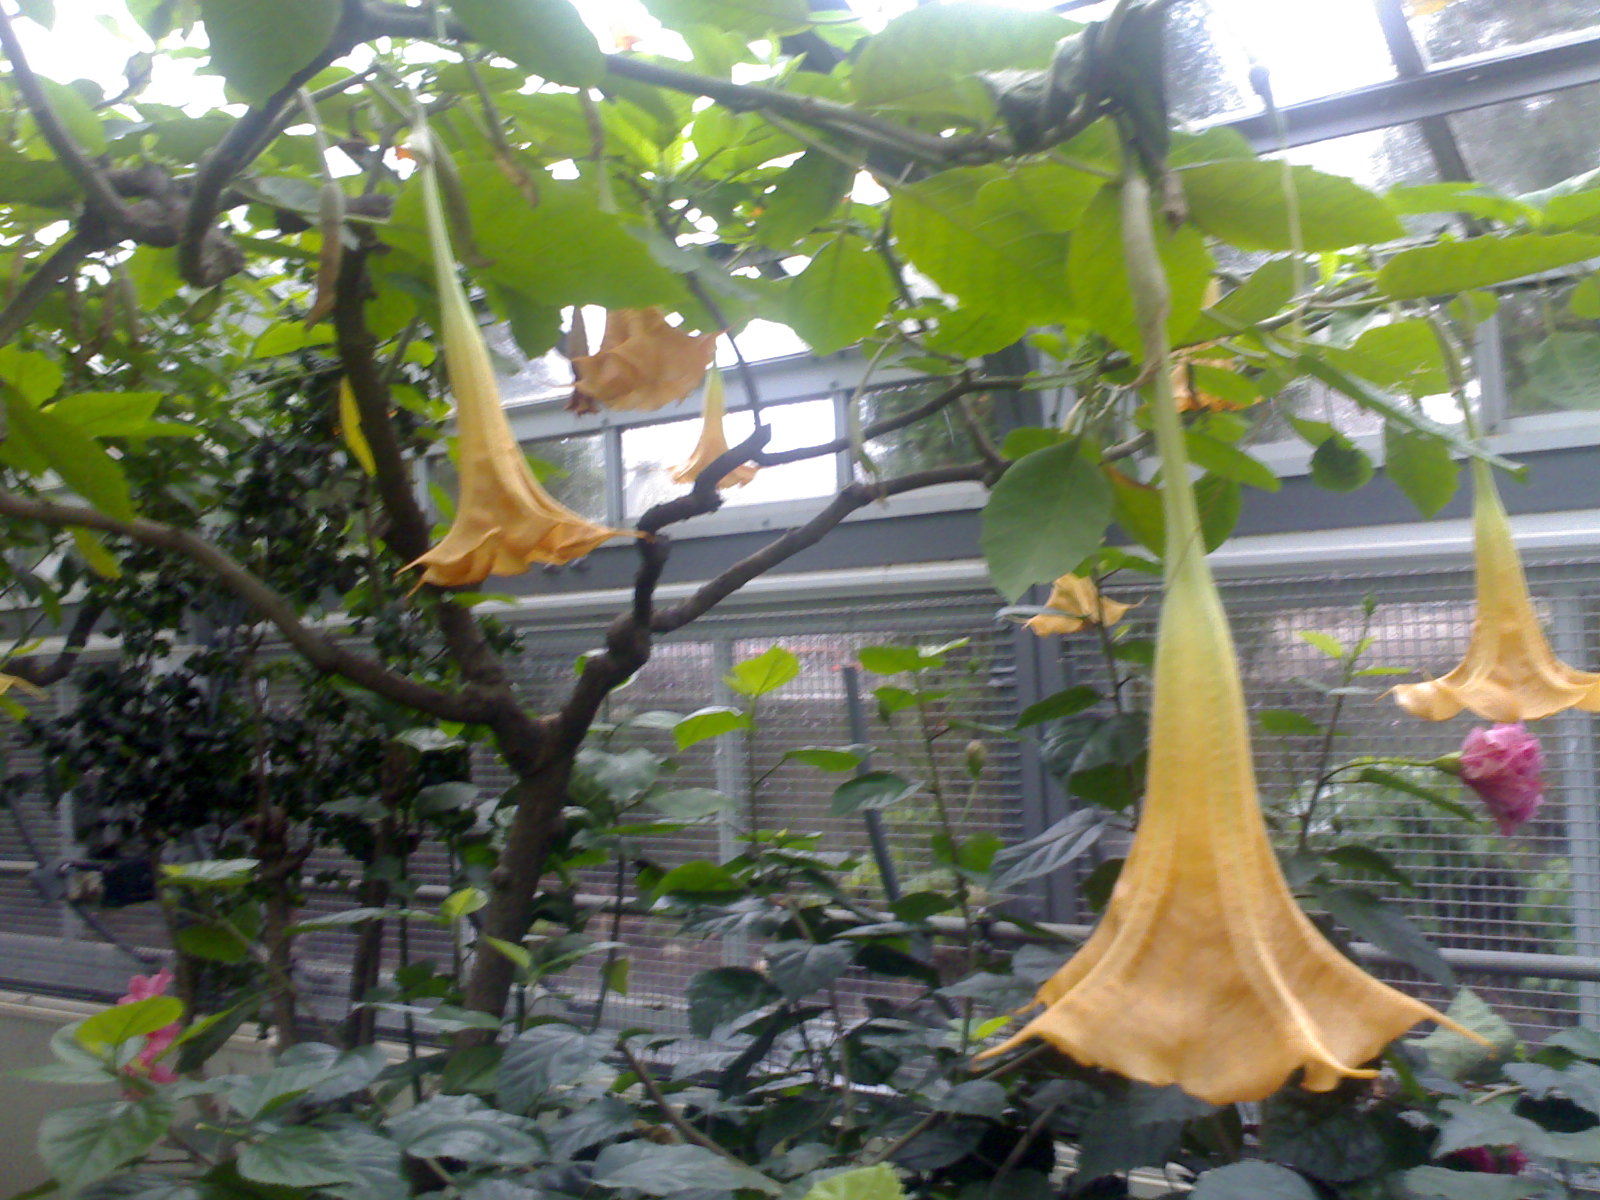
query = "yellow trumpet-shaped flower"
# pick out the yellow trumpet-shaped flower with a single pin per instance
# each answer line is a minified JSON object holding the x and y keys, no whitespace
{"x":1074,"y":604}
{"x":643,"y":363}
{"x":713,"y":442}
{"x":1509,"y":673}
{"x":1204,"y":972}
{"x":505,"y":520}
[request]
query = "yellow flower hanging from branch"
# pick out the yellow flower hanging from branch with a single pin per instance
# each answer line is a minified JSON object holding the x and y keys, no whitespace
{"x":713,"y":443}
{"x":643,"y":363}
{"x":505,"y":521}
{"x":1204,"y":972}
{"x":1509,"y":673}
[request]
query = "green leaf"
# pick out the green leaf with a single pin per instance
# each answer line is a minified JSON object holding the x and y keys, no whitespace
{"x":86,"y":1142}
{"x":1385,"y":926}
{"x":1339,"y":465}
{"x":765,"y":673}
{"x":752,"y":18}
{"x":1402,"y":355}
{"x":663,"y":1170}
{"x":927,"y":60}
{"x":461,"y":903}
{"x":463,"y":1127}
{"x":82,"y":463}
{"x":1369,"y":861}
{"x":1265,"y":294}
{"x":690,"y":804}
{"x":1447,"y":267}
{"x":1064,"y":703}
{"x":1460,"y":1058}
{"x":35,"y":377}
{"x":296,"y":1157}
{"x":212,"y":943}
{"x":698,"y":878}
{"x":1326,"y":642}
{"x":725,"y":994}
{"x":1443,"y":1183}
{"x":1229,"y":462}
{"x":547,"y":37}
{"x":800,"y":968}
{"x":567,"y":250}
{"x":1473,"y":199}
{"x":1000,"y":262}
{"x":76,"y":114}
{"x":546,"y":1057}
{"x":1044,"y":517}
{"x":1399,"y":783}
{"x":871,"y":1183}
{"x":841,"y":296}
{"x":804,"y":196}
{"x":1098,"y":275}
{"x":1068,"y":840}
{"x":874,"y":790}
{"x":826,"y":758}
{"x":708,"y":723}
{"x":1421,"y":467}
{"x":1287,"y":722}
{"x":1243,"y":202}
{"x":124,"y":1022}
{"x":259,"y":45}
{"x":893,"y":660}
{"x":1252,"y":1181}
{"x":108,"y":414}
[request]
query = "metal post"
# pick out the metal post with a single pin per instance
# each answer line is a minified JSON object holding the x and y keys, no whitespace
{"x":872,"y":817}
{"x":1575,"y":751}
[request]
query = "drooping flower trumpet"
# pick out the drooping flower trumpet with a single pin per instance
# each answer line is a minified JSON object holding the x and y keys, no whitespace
{"x":713,"y":443}
{"x":505,"y":521}
{"x":643,"y":363}
{"x":1204,"y":972}
{"x":1509,"y":673}
{"x":1074,"y":604}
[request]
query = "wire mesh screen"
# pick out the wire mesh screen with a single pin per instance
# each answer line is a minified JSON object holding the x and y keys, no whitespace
{"x":1470,"y":887}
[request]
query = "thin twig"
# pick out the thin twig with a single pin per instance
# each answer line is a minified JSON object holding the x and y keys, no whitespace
{"x":57,"y":267}
{"x":672,"y":1116}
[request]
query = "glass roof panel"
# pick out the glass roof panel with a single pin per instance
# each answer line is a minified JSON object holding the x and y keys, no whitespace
{"x":1462,"y":28}
{"x":1524,"y":145}
{"x":1378,"y":159}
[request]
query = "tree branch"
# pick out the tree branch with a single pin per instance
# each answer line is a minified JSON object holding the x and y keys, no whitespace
{"x":57,"y":267}
{"x":856,"y":495}
{"x":318,"y":649}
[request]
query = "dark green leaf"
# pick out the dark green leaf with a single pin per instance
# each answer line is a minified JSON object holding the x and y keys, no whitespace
{"x":724,"y":994}
{"x":1442,"y":1183}
{"x":690,"y":804}
{"x":1457,"y":1057}
{"x":1339,"y":465}
{"x":1421,"y":467}
{"x":1287,"y":722}
{"x":1045,"y":516}
{"x":1252,"y":1181}
{"x":873,"y":790}
{"x":86,"y":1142}
{"x":1324,"y":1136}
{"x":827,"y":758}
{"x":545,"y":1057}
{"x":698,"y":878}
{"x":1400,"y":783}
{"x":1229,"y":462}
{"x":800,"y":968}
{"x":296,"y":1157}
{"x":1562,"y":368}
{"x":1385,"y":926}
{"x":1064,"y":842}
{"x":1066,"y":703}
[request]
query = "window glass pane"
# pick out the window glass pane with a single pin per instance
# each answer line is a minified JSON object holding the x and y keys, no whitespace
{"x":1524,"y":145}
{"x":1552,"y":358}
{"x":1378,"y":159}
{"x":576,"y":473}
{"x":1466,"y":27}
{"x":650,"y":453}
{"x":935,"y":441}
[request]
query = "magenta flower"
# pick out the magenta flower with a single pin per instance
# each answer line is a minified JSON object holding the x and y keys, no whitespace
{"x":1505,"y":766}
{"x":146,"y":1064}
{"x":1507,"y":1160}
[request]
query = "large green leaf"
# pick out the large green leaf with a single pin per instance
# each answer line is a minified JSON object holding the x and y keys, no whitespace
{"x":548,"y":37}
{"x":1448,"y":267}
{"x":663,"y":1170}
{"x":1444,"y":1183}
{"x":864,"y":1183}
{"x":1244,"y":202}
{"x":1402,"y":355}
{"x":708,"y":723}
{"x":296,"y":1157}
{"x":841,"y":296}
{"x":1255,"y":1180}
{"x":1045,"y":516}
{"x":565,"y":251}
{"x":258,"y":45}
{"x":1421,"y":467}
{"x":1385,"y":926}
{"x":928,"y":59}
{"x":82,"y":463}
{"x":545,"y":1057}
{"x":803,"y":197}
{"x":34,"y":376}
{"x":1098,"y":274}
{"x":800,"y":968}
{"x":723,"y":994}
{"x":997,"y":260}
{"x":766,"y":672}
{"x":873,"y":790}
{"x":121,"y":1022}
{"x":1265,"y":294}
{"x":85,"y":1142}
{"x":1564,"y":370}
{"x":750,"y":17}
